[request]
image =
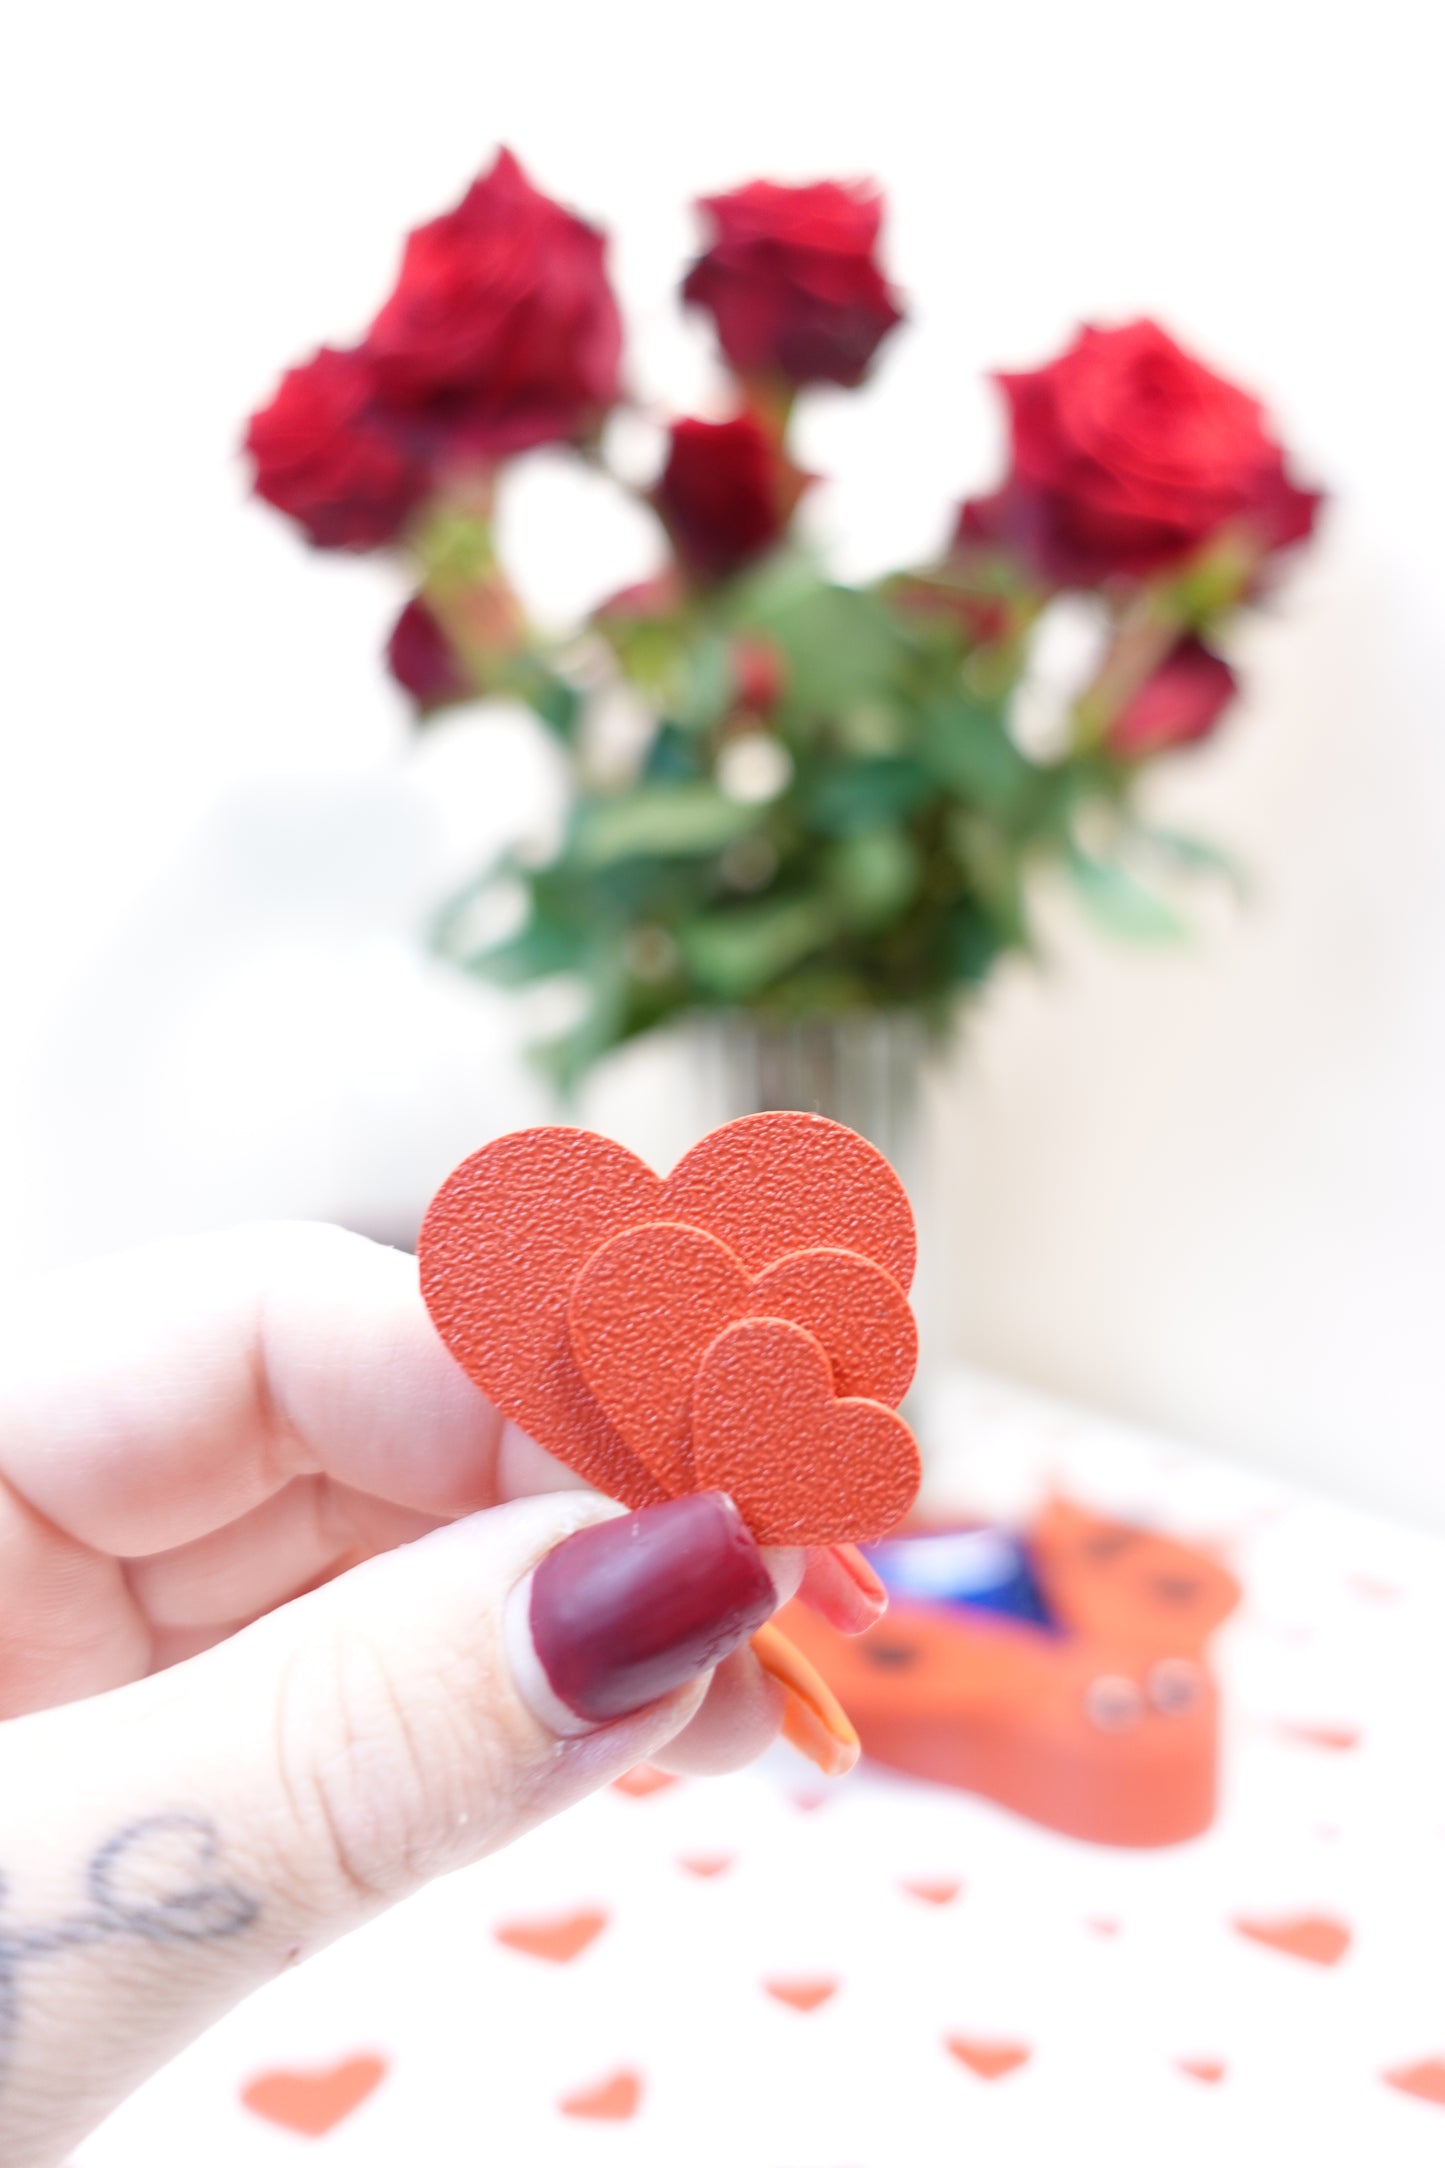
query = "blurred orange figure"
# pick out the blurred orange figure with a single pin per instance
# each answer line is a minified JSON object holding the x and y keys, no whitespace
{"x":1063,"y":1674}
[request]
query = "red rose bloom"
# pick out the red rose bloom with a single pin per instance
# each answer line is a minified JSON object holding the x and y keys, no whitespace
{"x":1181,"y":703}
{"x":792,"y":281}
{"x":1128,"y":455}
{"x":326,"y":455}
{"x":726,"y":494}
{"x":420,"y":658}
{"x":502,"y":331}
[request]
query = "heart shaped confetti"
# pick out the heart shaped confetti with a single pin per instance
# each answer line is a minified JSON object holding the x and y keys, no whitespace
{"x":804,"y":1466}
{"x":646,"y":1306}
{"x":558,"y":1940}
{"x":313,"y":2102}
{"x":1313,"y":1937}
{"x":592,"y":1301}
{"x":804,"y":1995}
{"x":989,"y":2059}
{"x":615,"y":2100}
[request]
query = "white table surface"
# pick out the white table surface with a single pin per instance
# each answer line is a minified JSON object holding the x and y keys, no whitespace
{"x":1146,"y":2027}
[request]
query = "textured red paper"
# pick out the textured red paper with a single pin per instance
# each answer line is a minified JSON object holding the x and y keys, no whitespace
{"x":510,"y":1230}
{"x":803,"y":1466}
{"x":646,"y":1307}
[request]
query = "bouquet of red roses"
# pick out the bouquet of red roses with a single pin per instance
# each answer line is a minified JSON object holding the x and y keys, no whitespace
{"x":831,"y":809}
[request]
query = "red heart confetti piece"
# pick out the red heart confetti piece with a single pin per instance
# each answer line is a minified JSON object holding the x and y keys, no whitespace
{"x":647,"y":1304}
{"x":1422,"y":2081}
{"x":706,"y":1865}
{"x":556,"y":1940}
{"x":613,"y":2100}
{"x":1207,"y":2069}
{"x":313,"y":2102}
{"x":804,"y":1467}
{"x":509,"y":1230}
{"x":1332,"y":1738}
{"x":643,"y":1782}
{"x":1310,"y":1936}
{"x":988,"y":2058}
{"x":804,"y":1995}
{"x":941,"y":1892}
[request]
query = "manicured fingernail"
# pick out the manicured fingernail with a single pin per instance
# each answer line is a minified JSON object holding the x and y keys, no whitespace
{"x":841,"y":1586}
{"x":814,"y":1720}
{"x":625,"y":1611}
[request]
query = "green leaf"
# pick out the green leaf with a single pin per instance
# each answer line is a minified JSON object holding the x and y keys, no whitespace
{"x":659,"y":820}
{"x":840,"y":645}
{"x":736,"y":953}
{"x":967,"y":747}
{"x":875,"y":875}
{"x":543,"y":948}
{"x":1119,"y":902}
{"x":865,"y":794}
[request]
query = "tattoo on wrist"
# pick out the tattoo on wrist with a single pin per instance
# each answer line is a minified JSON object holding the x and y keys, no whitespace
{"x":153,"y":1881}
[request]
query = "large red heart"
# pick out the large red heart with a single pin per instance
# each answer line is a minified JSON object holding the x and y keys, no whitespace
{"x":803,"y":1466}
{"x":646,"y":1307}
{"x":509,"y":1230}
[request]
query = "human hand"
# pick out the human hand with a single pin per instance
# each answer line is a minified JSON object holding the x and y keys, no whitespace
{"x":277,"y":1645}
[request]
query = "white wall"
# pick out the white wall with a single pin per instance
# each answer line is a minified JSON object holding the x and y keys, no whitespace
{"x":1205,"y":1189}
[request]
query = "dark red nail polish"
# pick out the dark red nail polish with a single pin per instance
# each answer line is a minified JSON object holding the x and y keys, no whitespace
{"x":626,"y":1610}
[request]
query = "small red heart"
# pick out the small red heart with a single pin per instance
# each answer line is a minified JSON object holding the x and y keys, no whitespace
{"x":802,"y":1995}
{"x":646,"y":1306}
{"x":1309,"y":1936}
{"x":643,"y":1781}
{"x":1207,"y":2069}
{"x":932,"y":1893}
{"x":988,"y":2058}
{"x":614,"y":2100}
{"x":1422,"y":2081}
{"x":803,"y":1466}
{"x":705,"y":1864}
{"x":312,"y":2102}
{"x":558,"y":1941}
{"x":510,"y":1229}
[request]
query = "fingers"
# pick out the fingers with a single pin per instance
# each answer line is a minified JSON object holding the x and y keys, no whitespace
{"x":150,"y":1399}
{"x":206,"y":1826}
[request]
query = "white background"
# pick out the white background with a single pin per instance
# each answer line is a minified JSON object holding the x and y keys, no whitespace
{"x":1203,"y":1188}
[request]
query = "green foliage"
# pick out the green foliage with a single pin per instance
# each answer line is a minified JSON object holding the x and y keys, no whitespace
{"x":874,"y":847}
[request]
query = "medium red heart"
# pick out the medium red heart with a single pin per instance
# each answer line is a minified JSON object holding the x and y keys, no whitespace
{"x":803,"y":1466}
{"x":648,"y":1304}
{"x":312,"y":2102}
{"x":509,"y":1230}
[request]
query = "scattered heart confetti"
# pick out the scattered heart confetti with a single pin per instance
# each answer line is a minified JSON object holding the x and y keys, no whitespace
{"x":988,"y":2058}
{"x":1422,"y":2081}
{"x":511,"y":1231}
{"x":1207,"y":2069}
{"x":804,"y":1466}
{"x":557,"y":1940}
{"x":942,"y":1892}
{"x":802,"y":1995}
{"x":1310,"y":1936}
{"x":643,"y":1782}
{"x":1332,"y":1738}
{"x":646,"y":1306}
{"x":614,"y":2100}
{"x":313,"y":2102}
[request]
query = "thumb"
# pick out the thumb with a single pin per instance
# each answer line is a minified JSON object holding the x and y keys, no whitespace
{"x":170,"y":1846}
